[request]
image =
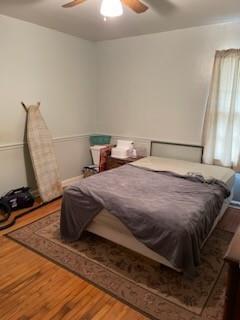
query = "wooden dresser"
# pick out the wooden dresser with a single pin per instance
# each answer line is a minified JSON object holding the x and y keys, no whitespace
{"x":232,"y":300}
{"x":115,"y":163}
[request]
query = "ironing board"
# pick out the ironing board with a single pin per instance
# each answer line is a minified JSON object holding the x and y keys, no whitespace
{"x":42,"y":155}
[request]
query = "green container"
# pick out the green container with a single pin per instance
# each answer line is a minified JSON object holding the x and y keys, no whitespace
{"x":99,"y":139}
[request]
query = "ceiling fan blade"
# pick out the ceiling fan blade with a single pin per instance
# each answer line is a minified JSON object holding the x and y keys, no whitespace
{"x":135,"y":5}
{"x":72,"y":3}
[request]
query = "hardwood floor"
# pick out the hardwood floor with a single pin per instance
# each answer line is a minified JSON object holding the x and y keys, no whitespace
{"x":31,"y":287}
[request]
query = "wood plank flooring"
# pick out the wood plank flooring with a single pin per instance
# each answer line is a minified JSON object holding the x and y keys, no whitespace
{"x":16,"y":214}
{"x":31,"y":287}
{"x":231,"y":220}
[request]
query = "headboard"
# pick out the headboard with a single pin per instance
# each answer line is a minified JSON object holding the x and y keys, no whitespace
{"x":188,"y":152}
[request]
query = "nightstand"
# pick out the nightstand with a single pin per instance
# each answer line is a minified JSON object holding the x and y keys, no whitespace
{"x":115,"y":162}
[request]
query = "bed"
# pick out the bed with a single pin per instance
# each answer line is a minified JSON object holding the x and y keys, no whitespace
{"x":109,"y":226}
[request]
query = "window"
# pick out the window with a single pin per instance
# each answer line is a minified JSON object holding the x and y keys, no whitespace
{"x":222,"y":121}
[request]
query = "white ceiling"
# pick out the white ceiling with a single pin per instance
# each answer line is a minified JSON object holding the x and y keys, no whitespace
{"x":86,"y":22}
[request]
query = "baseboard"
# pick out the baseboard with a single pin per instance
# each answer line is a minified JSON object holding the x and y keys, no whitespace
{"x":235,"y":204}
{"x":65,"y":183}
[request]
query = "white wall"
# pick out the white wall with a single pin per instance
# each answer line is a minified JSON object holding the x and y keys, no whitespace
{"x":156,"y":86}
{"x":147,"y":87}
{"x":39,"y":64}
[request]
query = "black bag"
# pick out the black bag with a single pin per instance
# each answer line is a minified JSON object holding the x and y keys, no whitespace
{"x":18,"y":198}
{"x":5,"y":210}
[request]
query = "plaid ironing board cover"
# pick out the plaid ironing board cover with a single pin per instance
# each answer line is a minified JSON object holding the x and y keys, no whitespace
{"x":43,"y":155}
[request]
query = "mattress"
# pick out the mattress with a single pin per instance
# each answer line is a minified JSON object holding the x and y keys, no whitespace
{"x":184,"y":167}
{"x":108,"y":226}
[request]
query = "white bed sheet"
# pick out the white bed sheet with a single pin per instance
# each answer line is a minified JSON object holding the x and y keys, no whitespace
{"x":184,"y":167}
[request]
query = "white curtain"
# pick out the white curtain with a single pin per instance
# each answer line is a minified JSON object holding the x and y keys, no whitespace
{"x":222,"y":121}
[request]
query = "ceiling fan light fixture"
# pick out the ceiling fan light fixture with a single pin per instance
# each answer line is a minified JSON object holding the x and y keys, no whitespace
{"x":111,"y":8}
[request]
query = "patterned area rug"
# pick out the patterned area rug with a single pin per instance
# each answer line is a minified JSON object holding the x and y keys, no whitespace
{"x":155,"y":290}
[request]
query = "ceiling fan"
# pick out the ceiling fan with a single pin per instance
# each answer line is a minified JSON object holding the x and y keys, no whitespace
{"x":113,"y":8}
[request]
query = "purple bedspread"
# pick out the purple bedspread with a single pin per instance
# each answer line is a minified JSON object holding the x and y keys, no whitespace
{"x":169,"y":213}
